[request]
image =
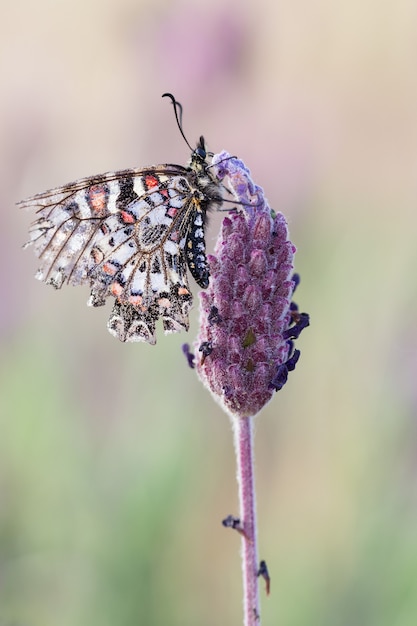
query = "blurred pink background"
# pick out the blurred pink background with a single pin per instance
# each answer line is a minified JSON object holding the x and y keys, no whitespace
{"x":116,"y":468}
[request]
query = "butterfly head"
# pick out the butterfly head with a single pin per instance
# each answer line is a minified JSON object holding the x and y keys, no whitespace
{"x":199,"y":156}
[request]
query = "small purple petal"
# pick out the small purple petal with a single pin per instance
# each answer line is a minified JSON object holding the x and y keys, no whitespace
{"x":296,"y":280}
{"x":292,"y":361}
{"x":206,"y":348}
{"x":281,"y":375}
{"x":303,"y":320}
{"x":189,"y":355}
{"x":280,"y":378}
{"x":214,"y":316}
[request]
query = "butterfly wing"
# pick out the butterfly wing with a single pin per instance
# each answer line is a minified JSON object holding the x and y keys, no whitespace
{"x":124,"y":234}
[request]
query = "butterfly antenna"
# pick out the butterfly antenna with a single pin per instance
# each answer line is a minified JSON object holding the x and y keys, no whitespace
{"x":178,"y":114}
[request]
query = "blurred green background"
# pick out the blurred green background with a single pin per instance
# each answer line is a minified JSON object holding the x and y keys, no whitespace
{"x":116,"y":467}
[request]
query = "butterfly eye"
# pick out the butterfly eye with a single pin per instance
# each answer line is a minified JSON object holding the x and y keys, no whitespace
{"x":201,"y":153}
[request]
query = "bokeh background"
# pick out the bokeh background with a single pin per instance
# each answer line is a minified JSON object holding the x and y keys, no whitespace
{"x":116,"y":467}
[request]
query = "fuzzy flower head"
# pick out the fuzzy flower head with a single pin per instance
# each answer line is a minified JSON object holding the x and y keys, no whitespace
{"x":248,"y":323}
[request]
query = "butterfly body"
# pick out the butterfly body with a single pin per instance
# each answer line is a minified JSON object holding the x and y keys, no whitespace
{"x":130,"y":234}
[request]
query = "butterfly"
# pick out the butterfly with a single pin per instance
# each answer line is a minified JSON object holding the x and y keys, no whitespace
{"x":130,"y":234}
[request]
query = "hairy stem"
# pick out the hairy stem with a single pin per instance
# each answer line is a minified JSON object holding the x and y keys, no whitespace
{"x":243,"y":430}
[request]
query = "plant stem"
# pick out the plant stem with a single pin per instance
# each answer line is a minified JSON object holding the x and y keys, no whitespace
{"x":243,"y":431}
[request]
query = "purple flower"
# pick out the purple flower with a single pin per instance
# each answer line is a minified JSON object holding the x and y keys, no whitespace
{"x":248,"y":323}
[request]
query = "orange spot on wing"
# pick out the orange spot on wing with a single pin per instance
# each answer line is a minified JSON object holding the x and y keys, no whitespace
{"x":97,"y":198}
{"x":182,"y":291}
{"x":128,"y":218}
{"x":109,"y":268}
{"x":116,"y":289}
{"x":151,"y":181}
{"x":136,"y":300}
{"x":164,"y":302}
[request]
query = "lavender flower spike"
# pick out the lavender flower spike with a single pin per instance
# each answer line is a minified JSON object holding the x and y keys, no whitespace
{"x":246,"y":315}
{"x":248,"y":326}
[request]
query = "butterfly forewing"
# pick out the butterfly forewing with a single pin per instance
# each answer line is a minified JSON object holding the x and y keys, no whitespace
{"x":129,"y":234}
